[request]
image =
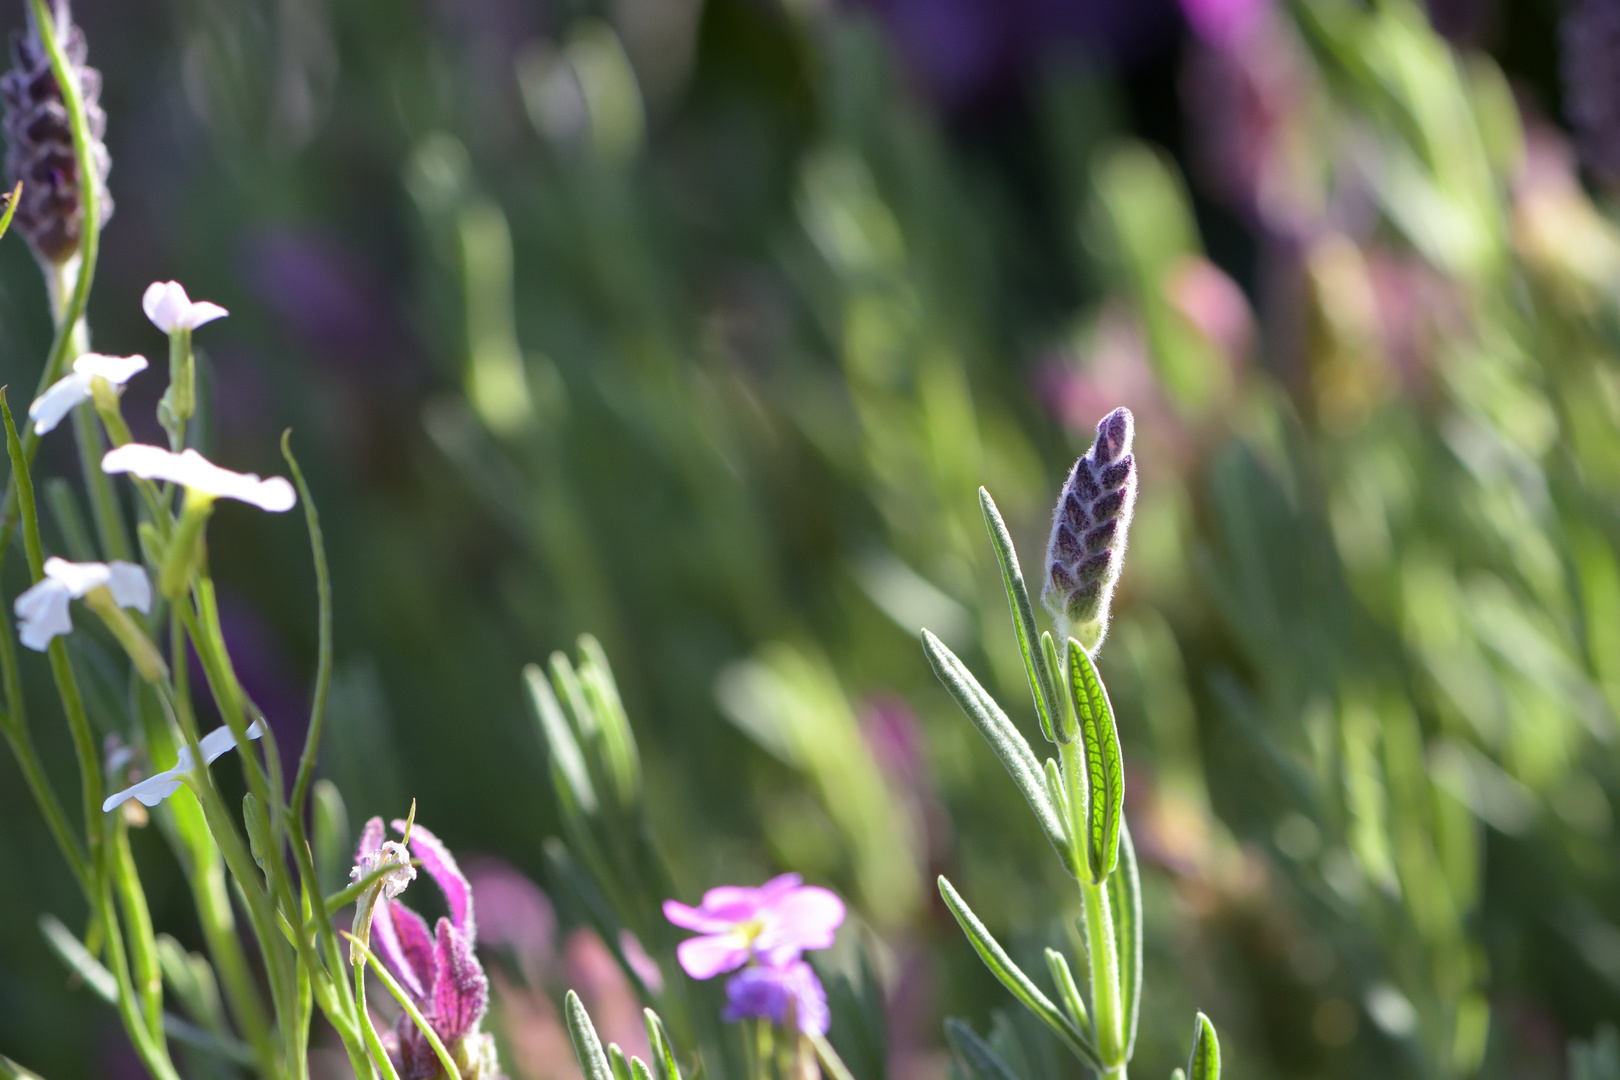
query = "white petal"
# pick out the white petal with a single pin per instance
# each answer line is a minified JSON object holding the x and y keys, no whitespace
{"x":165,"y":303}
{"x":117,"y":370}
{"x":42,"y":613}
{"x":57,"y":401}
{"x":203,"y":311}
{"x":196,"y":472}
{"x":77,"y":577}
{"x":151,"y":791}
{"x":130,"y":586}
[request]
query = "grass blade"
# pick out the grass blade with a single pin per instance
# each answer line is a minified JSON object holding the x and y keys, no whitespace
{"x":1205,"y":1062}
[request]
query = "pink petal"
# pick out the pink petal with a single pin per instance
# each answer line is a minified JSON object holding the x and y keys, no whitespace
{"x":691,"y":918}
{"x":441,"y":866}
{"x":415,"y":944}
{"x":371,"y":839}
{"x":460,"y":989}
{"x":708,"y":956}
{"x":385,"y":941}
{"x":805,"y":918}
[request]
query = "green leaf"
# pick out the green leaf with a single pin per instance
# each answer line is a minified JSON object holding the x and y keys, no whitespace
{"x":1205,"y":1062}
{"x":662,"y":1049}
{"x":1125,"y":898}
{"x":587,"y":1047}
{"x":1104,"y":768}
{"x":981,"y":1061}
{"x":618,"y":1062}
{"x":10,"y":1070}
{"x":1178,"y":1074}
{"x":1041,"y":686}
{"x":1068,"y":989}
{"x":1001,"y":966}
{"x":1064,"y":720}
{"x":12,"y":199}
{"x":639,"y":1070}
{"x":1004,"y":740}
{"x":567,"y":762}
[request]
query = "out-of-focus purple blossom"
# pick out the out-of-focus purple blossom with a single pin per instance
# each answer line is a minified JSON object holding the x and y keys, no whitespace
{"x":897,"y":744}
{"x":960,"y":49}
{"x":1213,"y":303}
{"x":514,"y":914}
{"x":439,"y":970}
{"x":1223,"y":24}
{"x":786,"y":995}
{"x":645,"y":967}
{"x":1591,"y":73}
{"x":773,"y":923}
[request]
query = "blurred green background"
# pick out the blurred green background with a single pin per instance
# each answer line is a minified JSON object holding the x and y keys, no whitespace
{"x":695,"y":325}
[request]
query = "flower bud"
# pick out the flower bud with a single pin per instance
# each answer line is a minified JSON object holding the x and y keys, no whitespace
{"x":39,"y":138}
{"x":1087,"y":548}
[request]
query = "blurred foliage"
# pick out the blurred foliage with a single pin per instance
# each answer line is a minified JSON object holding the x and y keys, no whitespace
{"x":695,"y":326}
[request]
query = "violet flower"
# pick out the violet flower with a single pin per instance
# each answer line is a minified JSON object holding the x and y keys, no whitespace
{"x":765,"y":928}
{"x":439,"y":969}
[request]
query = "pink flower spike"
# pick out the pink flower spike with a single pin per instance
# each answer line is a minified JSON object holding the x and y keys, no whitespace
{"x":170,"y":309}
{"x":774,"y":923}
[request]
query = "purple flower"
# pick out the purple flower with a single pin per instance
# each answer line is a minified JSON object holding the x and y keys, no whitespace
{"x":438,"y":970}
{"x":772,"y":924}
{"x":786,"y":995}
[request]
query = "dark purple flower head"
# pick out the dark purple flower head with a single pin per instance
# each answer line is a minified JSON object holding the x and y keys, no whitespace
{"x":439,"y":970}
{"x":789,"y":994}
{"x":1087,"y":547}
{"x":773,"y":924}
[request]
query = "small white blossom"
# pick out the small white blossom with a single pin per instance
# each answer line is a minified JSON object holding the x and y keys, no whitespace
{"x":392,"y":854}
{"x":159,"y":786}
{"x":170,"y":309}
{"x":62,"y":395}
{"x":196,"y":473}
{"x":42,"y":611}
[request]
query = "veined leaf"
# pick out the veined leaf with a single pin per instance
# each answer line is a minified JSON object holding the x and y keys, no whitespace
{"x":1004,"y":739}
{"x":982,"y":1062}
{"x":1205,"y":1062}
{"x":1125,"y":896}
{"x":1041,"y":685}
{"x":1104,"y":768}
{"x":1012,"y":977}
{"x":587,"y":1047}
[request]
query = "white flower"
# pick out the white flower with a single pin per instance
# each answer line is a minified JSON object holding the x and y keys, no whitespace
{"x":195,"y":472}
{"x":159,"y":786}
{"x":170,"y":309}
{"x":42,"y":611}
{"x":62,"y":395}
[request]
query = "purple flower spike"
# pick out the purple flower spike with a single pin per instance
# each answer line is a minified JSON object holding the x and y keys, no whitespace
{"x":773,"y":924}
{"x":1089,"y":526}
{"x":779,"y":994}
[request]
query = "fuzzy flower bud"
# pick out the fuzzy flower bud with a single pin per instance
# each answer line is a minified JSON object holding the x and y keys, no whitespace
{"x":39,"y":138}
{"x":1087,"y":548}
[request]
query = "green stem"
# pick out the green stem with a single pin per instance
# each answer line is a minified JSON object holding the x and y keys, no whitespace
{"x":1108,"y":1015}
{"x":153,"y":1052}
{"x":142,"y":941}
{"x":225,"y":949}
{"x":22,"y":747}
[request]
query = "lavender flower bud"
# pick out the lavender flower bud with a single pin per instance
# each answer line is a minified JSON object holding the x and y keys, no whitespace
{"x":1591,"y":39}
{"x":40,"y":138}
{"x":1087,"y":547}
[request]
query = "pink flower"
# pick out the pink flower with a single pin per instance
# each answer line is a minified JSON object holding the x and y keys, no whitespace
{"x":772,"y":924}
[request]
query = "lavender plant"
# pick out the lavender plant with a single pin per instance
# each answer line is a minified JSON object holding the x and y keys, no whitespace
{"x":263,"y":853}
{"x":1078,"y":797}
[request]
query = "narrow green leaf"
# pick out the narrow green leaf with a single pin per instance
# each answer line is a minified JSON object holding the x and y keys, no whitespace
{"x":981,"y":1061}
{"x":1178,"y":1074}
{"x":639,"y":1070}
{"x":1205,"y":1062}
{"x":1054,"y":790}
{"x":1004,"y":739}
{"x":1068,"y":989}
{"x":1125,"y":896}
{"x":618,"y":741}
{"x":1063,"y":709}
{"x":618,"y":1062}
{"x":1104,"y":768}
{"x":587,"y":1047}
{"x":10,"y":1070}
{"x":1001,"y":966}
{"x":1041,"y":686}
{"x":410,"y":1007}
{"x":662,"y":1049}
{"x":559,"y":736}
{"x":12,"y":199}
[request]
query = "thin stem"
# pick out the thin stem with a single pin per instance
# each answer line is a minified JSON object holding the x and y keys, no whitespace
{"x":1108,"y":1015}
{"x":138,"y":917}
{"x":225,"y":949}
{"x":22,"y":747}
